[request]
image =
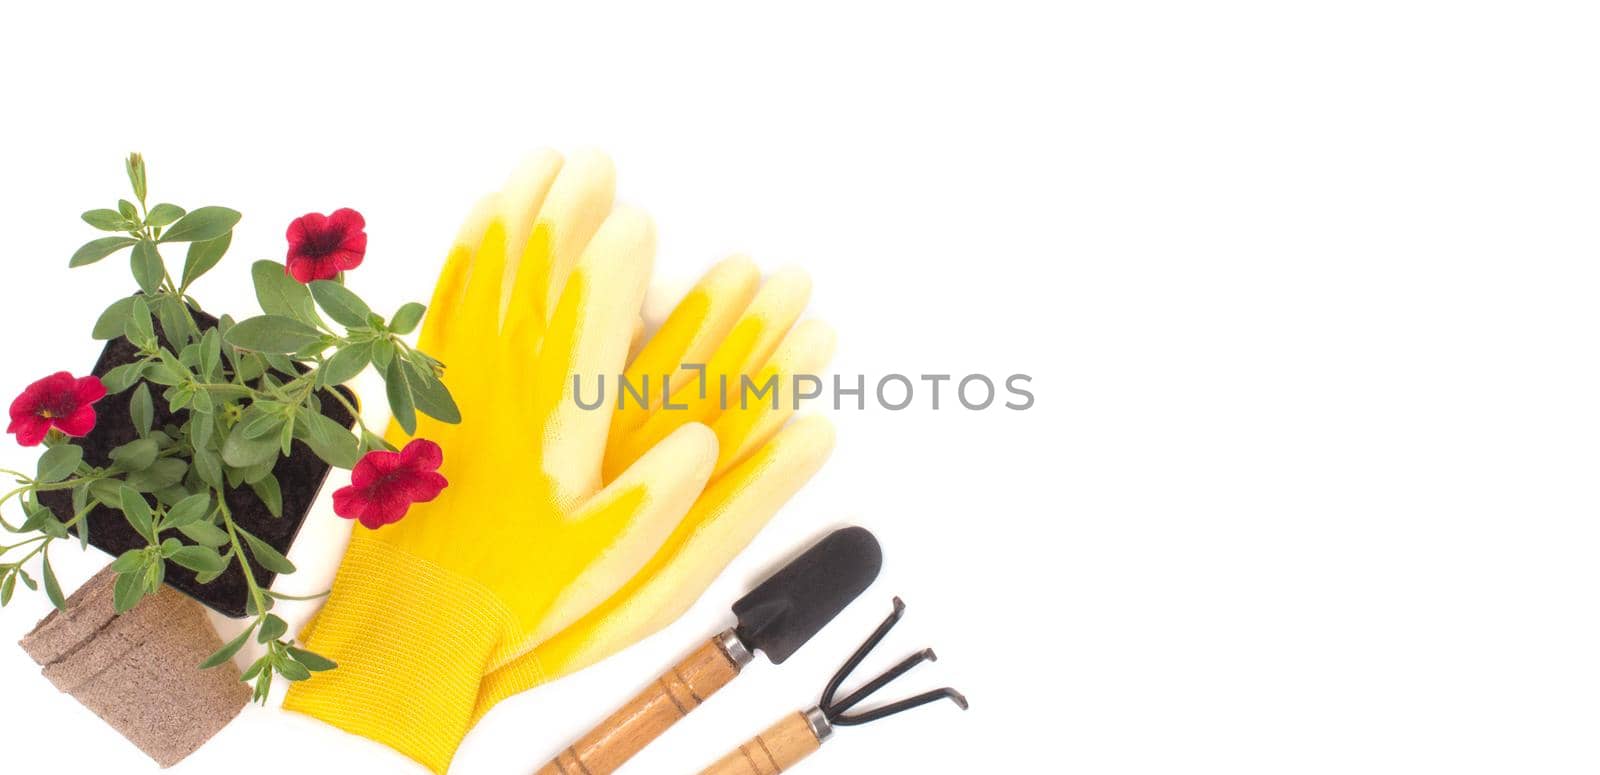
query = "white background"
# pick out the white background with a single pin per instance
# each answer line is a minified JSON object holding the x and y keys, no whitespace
{"x":1308,"y":294}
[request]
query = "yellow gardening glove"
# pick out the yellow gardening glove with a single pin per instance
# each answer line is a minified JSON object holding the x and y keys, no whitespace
{"x":545,"y":283}
{"x":726,"y":325}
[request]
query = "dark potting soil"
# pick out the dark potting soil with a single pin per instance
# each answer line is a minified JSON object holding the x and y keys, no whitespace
{"x":300,"y":477}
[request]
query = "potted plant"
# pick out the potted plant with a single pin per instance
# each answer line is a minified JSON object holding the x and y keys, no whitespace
{"x":194,"y":449}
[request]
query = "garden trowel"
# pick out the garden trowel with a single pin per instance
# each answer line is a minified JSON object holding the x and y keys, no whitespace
{"x":776,"y":618}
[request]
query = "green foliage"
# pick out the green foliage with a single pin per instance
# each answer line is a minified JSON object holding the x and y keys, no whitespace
{"x":213,"y":412}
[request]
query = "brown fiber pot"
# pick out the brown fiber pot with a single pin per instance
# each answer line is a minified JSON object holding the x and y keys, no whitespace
{"x":138,"y":671}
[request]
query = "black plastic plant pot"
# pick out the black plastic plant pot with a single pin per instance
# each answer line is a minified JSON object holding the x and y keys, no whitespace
{"x":300,"y":477}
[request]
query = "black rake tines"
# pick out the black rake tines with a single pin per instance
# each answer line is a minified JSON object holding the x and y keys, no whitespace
{"x":834,"y":710}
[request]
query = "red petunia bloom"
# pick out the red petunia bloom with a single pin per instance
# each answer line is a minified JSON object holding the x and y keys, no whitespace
{"x":57,"y":401}
{"x":322,"y":246}
{"x":384,"y":484}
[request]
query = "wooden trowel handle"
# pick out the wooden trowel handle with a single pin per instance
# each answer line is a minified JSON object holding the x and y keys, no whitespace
{"x":654,"y":710}
{"x":783,"y":744}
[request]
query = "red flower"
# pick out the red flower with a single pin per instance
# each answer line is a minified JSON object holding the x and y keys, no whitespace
{"x":57,"y":401}
{"x":322,"y":246}
{"x":384,"y":484}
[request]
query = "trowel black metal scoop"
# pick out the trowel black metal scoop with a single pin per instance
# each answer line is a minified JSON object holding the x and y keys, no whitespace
{"x":776,"y":618}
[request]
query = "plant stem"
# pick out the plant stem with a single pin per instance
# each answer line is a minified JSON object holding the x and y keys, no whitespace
{"x":4,"y":549}
{"x":354,"y":412}
{"x":318,"y":596}
{"x":238,"y":552}
{"x":36,"y":550}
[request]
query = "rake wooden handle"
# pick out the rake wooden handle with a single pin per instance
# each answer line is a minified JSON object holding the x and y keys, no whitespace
{"x":654,"y":710}
{"x":780,"y":747}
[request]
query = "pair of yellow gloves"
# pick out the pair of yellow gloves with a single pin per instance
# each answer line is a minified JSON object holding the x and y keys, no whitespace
{"x":566,"y":534}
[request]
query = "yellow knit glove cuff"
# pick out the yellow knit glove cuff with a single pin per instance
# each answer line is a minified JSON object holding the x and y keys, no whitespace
{"x":412,"y":641}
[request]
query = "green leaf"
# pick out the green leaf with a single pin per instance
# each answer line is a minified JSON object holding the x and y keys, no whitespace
{"x":163,"y":373}
{"x":241,"y":451}
{"x":136,"y":509}
{"x":346,"y":363}
{"x":59,"y":462}
{"x":273,"y":627}
{"x":147,"y":268}
{"x":136,"y":175}
{"x":200,"y":559}
{"x":270,"y":494}
{"x":200,"y":401}
{"x":263,"y":687}
{"x":189,"y":510}
{"x":114,"y":320}
{"x":106,"y":492}
{"x":138,"y":327}
{"x":267,"y":556}
{"x":94,"y":250}
{"x":160,"y":475}
{"x":136,"y":455}
{"x":123,"y":377}
{"x":201,"y":224}
{"x":52,"y":587}
{"x":250,"y":608}
{"x":254,"y":670}
{"x":207,"y":462}
{"x":204,"y":533}
{"x":312,"y":660}
{"x":331,"y":441}
{"x":204,"y":255}
{"x":286,"y":438}
{"x":280,"y":294}
{"x":127,"y":210}
{"x":211,"y":355}
{"x":175,"y":323}
{"x":51,"y":527}
{"x":340,"y":303}
{"x":128,"y":561}
{"x":36,"y":517}
{"x":430,"y":395}
{"x":370,"y":442}
{"x":129,"y":590}
{"x":398,"y":386}
{"x":142,"y":410}
{"x":163,"y":214}
{"x":406,"y":318}
{"x":272,"y":334}
{"x":382,"y":353}
{"x":263,"y":419}
{"x":170,"y":547}
{"x":107,"y":220}
{"x":293,"y":671}
{"x":228,"y":649}
{"x":154,"y":574}
{"x":8,"y":586}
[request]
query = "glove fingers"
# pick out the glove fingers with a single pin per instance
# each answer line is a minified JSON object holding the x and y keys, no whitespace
{"x":451,"y":286}
{"x":523,"y":198}
{"x":746,"y":348}
{"x":699,"y":322}
{"x":516,"y":207}
{"x":478,"y":318}
{"x":586,"y":344}
{"x":749,"y":422}
{"x":621,"y":527}
{"x":720,"y":525}
{"x":578,"y":202}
